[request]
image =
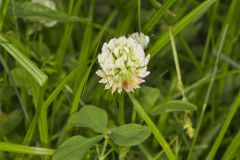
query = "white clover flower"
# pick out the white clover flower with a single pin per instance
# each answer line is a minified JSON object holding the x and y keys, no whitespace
{"x":50,"y":4}
{"x":123,"y":62}
{"x":142,"y":39}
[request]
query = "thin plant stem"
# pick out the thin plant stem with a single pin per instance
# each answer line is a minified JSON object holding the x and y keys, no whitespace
{"x":104,"y":149}
{"x":187,"y":121}
{"x":176,"y":61}
{"x":108,"y":153}
{"x":121,"y":112}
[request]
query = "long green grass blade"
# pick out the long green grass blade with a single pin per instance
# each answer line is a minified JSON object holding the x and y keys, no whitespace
{"x":17,"y":148}
{"x":23,"y":60}
{"x":232,"y":148}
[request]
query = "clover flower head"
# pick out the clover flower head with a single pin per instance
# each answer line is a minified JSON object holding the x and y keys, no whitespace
{"x":50,"y":4}
{"x":142,"y":39}
{"x":123,"y":62}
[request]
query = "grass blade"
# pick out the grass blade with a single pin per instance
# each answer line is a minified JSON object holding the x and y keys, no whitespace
{"x":23,"y":60}
{"x":157,"y":16}
{"x":232,"y":148}
{"x":4,"y":5}
{"x":17,"y":148}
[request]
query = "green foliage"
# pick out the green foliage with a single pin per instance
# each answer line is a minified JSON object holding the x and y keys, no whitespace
{"x":20,"y":77}
{"x":148,"y":97}
{"x":173,"y":106}
{"x":75,"y":147}
{"x":38,"y":12}
{"x":9,"y":123}
{"x":130,"y":134}
{"x":22,"y":59}
{"x":92,"y":117}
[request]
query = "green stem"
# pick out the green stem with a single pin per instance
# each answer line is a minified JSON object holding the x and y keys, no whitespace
{"x":121,"y":118}
{"x":122,"y":153}
{"x":175,"y":56}
{"x":104,"y":149}
{"x":161,"y":140}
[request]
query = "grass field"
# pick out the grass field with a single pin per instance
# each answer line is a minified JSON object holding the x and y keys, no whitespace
{"x":52,"y":105}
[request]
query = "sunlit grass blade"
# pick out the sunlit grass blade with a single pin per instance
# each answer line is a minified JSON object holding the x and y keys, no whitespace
{"x":23,"y":60}
{"x":232,"y":148}
{"x":182,"y":24}
{"x":161,"y":140}
{"x":18,"y":148}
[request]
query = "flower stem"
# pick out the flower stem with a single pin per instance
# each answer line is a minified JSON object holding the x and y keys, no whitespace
{"x":176,"y":61}
{"x":121,"y":118}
